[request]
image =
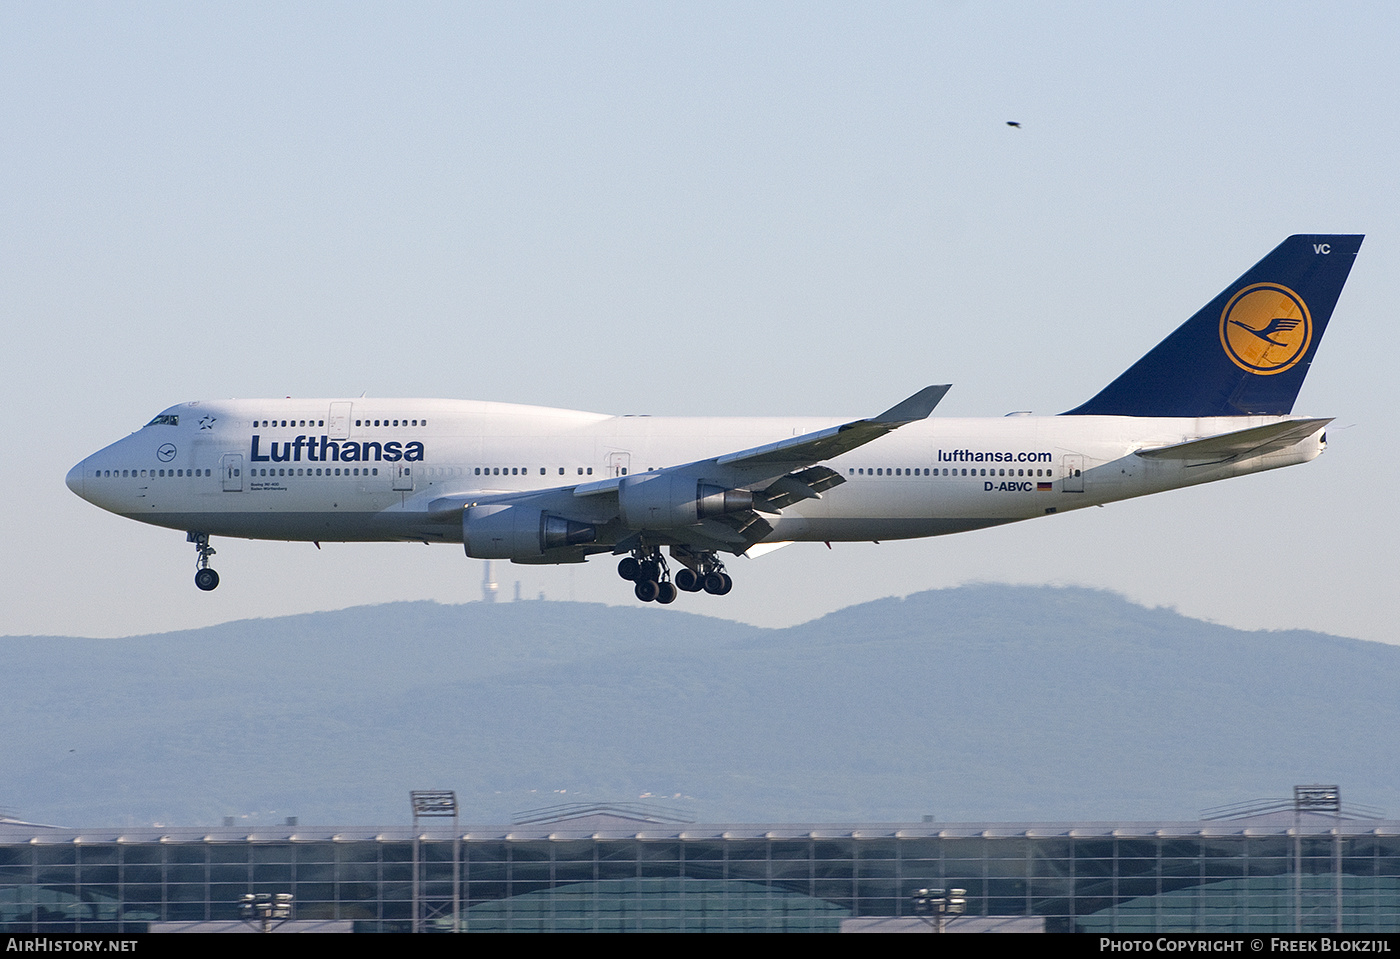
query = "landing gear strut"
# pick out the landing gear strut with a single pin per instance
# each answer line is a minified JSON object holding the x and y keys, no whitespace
{"x":204,"y":577}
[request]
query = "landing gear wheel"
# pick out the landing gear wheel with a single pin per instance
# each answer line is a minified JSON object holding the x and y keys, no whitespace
{"x":688,"y":581}
{"x":647,"y":570}
{"x":204,"y":577}
{"x":717,"y":584}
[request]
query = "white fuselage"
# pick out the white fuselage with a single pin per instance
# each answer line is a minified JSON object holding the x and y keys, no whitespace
{"x":370,"y":470}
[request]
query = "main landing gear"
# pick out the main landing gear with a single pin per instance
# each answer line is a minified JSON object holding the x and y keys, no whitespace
{"x":647,"y":569}
{"x":204,"y":577}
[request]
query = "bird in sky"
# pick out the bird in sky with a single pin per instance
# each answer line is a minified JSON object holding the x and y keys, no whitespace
{"x":1014,"y":123}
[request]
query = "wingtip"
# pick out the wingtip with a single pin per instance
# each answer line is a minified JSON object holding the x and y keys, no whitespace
{"x":916,"y":407}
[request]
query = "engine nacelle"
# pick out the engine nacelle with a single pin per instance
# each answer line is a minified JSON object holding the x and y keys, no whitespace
{"x":519,"y":532}
{"x":665,"y":501}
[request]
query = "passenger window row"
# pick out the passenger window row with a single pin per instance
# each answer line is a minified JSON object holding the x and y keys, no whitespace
{"x":544,"y":471}
{"x":319,"y":423}
{"x":890,"y":472}
{"x":897,"y":471}
{"x":307,"y":471}
{"x":149,"y":474}
{"x":524,"y":471}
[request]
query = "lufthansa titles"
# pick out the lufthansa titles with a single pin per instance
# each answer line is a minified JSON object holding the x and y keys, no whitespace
{"x":323,"y":449}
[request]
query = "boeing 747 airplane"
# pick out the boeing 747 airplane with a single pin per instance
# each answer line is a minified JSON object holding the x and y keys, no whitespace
{"x":535,"y":485}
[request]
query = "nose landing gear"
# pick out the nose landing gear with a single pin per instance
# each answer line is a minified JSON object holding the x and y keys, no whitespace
{"x":204,"y":577}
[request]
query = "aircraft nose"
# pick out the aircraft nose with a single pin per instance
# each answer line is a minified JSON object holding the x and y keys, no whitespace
{"x":75,"y":479}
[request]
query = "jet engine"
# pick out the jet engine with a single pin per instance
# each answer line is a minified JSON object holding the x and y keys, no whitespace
{"x":519,"y":532}
{"x":666,"y":501}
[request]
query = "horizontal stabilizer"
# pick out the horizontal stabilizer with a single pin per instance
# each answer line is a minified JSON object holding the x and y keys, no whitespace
{"x":1255,"y":441}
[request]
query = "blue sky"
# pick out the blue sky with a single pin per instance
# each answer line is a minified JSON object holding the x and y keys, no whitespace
{"x":685,"y":209}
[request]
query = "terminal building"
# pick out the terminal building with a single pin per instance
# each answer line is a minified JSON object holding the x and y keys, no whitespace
{"x":621,"y":869}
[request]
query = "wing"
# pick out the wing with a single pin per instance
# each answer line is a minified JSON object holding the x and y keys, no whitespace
{"x":716,"y":503}
{"x":775,"y":460}
{"x":712,"y":504}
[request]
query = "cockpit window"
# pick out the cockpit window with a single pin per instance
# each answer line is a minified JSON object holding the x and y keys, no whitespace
{"x":165,"y":419}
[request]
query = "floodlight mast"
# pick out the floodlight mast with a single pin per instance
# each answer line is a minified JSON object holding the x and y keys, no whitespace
{"x":436,"y":804}
{"x":934,"y":906}
{"x":1315,"y":798}
{"x":265,"y":909}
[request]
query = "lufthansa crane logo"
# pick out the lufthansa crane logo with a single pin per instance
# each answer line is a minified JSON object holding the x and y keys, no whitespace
{"x":166,"y":453}
{"x":1265,"y":328}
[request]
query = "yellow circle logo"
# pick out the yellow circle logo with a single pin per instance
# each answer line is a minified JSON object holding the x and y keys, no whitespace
{"x":1266,"y":328}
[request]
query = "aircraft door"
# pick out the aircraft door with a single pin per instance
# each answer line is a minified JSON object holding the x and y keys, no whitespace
{"x":403,"y":477}
{"x":1072,"y":473}
{"x":338,"y":422}
{"x":619,"y":463}
{"x":232,"y":468}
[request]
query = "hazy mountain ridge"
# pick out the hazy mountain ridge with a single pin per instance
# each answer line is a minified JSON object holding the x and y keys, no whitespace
{"x":983,"y":702}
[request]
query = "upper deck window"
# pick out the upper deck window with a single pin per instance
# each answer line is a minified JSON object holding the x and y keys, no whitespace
{"x":165,"y":419}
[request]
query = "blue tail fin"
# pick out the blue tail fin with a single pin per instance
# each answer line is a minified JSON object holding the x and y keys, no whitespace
{"x":1247,"y":351}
